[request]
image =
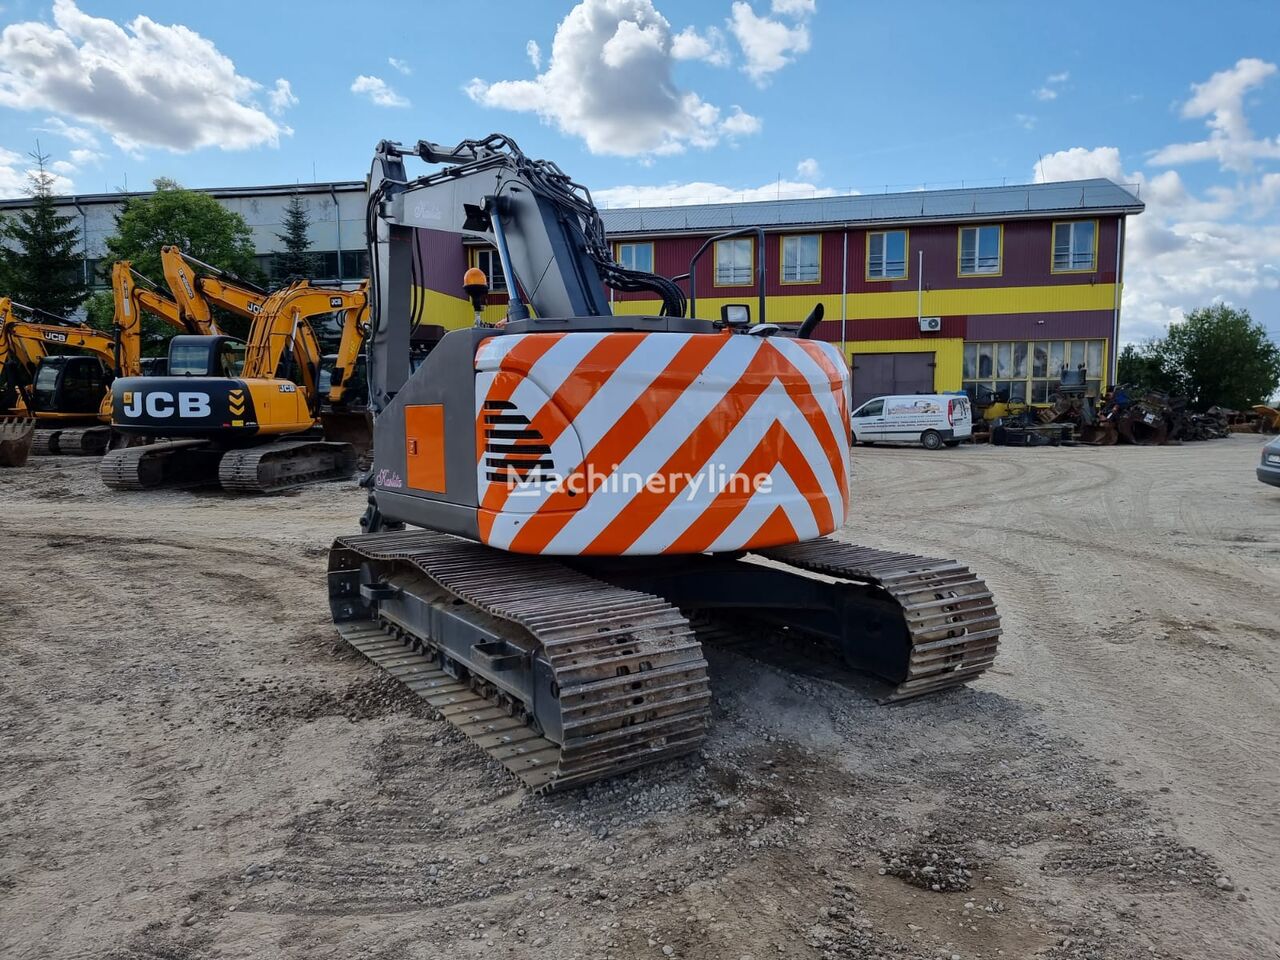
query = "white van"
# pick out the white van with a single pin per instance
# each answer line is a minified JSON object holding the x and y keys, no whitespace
{"x":929,"y":419}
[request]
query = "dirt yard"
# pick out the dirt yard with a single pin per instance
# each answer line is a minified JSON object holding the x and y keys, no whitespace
{"x":194,"y":767}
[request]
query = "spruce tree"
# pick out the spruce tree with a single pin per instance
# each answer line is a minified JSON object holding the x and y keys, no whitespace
{"x":41,"y":262}
{"x":294,"y":262}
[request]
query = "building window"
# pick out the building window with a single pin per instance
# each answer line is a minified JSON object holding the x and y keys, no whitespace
{"x":636,"y":256}
{"x":1029,"y":371}
{"x":487,"y":259}
{"x":801,"y":259}
{"x":980,"y":250}
{"x":1075,"y":246}
{"x":735,"y":261}
{"x":355,"y":264}
{"x":887,"y":255}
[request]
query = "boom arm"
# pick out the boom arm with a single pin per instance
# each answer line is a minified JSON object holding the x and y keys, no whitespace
{"x":355,"y":325}
{"x":283,"y":328}
{"x":196,"y":293}
{"x":132,"y":294}
{"x":29,"y":341}
{"x":547,"y":232}
{"x":26,"y":333}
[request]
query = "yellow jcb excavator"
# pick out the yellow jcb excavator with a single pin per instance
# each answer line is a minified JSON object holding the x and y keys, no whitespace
{"x":229,"y":405}
{"x":59,"y":401}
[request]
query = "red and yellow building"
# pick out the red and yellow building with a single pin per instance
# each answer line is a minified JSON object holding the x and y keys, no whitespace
{"x":926,"y":291}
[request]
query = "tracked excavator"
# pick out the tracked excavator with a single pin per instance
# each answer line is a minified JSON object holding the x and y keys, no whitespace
{"x":564,"y":507}
{"x":64,"y":397}
{"x":247,"y":415}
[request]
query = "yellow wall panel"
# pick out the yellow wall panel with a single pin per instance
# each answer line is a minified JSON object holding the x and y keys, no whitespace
{"x":792,"y":308}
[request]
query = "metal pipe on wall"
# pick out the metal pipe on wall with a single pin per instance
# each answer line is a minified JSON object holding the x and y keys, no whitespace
{"x":1114,"y":363}
{"x":337,"y":222}
{"x":919,"y":287}
{"x":84,"y":241}
{"x":844,"y":295}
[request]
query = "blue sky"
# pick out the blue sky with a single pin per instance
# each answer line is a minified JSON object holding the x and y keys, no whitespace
{"x":655,"y":100}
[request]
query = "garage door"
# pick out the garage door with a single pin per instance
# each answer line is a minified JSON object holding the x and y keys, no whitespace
{"x":878,"y":374}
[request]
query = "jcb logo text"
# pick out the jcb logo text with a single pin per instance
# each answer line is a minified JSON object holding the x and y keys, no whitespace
{"x":161,"y":404}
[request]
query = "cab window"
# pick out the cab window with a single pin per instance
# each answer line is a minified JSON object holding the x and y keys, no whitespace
{"x":232,"y":359}
{"x":872,"y":408}
{"x":189,"y":360}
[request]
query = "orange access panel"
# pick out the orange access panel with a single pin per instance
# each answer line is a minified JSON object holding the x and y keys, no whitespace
{"x":424,"y":446}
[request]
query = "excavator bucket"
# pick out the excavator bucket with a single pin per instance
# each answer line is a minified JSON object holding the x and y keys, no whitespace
{"x":16,"y":435}
{"x":350,"y":426}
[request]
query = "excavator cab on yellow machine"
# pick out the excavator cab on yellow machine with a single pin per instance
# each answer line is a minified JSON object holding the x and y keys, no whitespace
{"x":564,"y":507}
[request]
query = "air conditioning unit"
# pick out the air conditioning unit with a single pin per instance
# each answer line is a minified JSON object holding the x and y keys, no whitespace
{"x":930,"y":324}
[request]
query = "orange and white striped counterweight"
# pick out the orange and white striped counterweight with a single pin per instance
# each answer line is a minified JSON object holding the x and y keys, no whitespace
{"x":632,"y":443}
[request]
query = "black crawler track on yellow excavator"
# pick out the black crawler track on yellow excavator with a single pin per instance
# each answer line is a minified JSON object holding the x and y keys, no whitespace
{"x":268,"y":468}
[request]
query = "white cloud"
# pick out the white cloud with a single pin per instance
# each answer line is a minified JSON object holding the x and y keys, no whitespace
{"x":808,"y":169}
{"x":1080,"y":163}
{"x":1027,"y":121}
{"x":633,"y":43}
{"x":402,"y":66}
{"x":702,"y":191}
{"x":281,"y":97}
{"x":768,"y":45}
{"x":146,"y":85}
{"x":740,"y":124}
{"x":15,"y":173}
{"x":534,"y":53}
{"x":80,"y":135}
{"x":1183,"y":251}
{"x":709,"y":46}
{"x":377,"y":90}
{"x":795,"y":8}
{"x":609,"y":82}
{"x":1220,"y":102}
{"x":1049,"y":91}
{"x":82,"y":157}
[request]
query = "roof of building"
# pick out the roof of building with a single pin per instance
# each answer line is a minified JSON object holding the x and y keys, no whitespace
{"x":982,"y":203}
{"x":275,"y":190}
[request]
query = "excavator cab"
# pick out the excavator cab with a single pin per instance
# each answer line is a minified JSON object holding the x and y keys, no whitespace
{"x":199,"y":356}
{"x":69,"y":384}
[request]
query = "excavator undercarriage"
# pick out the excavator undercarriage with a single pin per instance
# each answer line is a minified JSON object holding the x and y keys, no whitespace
{"x":566,"y":671}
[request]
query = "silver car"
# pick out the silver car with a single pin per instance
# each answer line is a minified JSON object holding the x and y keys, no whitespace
{"x":1269,"y":468}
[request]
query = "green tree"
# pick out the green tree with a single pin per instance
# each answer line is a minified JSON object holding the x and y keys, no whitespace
{"x":294,"y":262}
{"x":1224,"y":356}
{"x":1144,"y":366}
{"x":1217,"y":356}
{"x":42,"y":264}
{"x":198,"y":224}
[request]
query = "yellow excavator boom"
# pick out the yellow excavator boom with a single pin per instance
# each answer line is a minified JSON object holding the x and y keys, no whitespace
{"x":284,"y":325}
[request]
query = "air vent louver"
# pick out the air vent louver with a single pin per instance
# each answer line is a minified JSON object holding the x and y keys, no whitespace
{"x":514,"y":452}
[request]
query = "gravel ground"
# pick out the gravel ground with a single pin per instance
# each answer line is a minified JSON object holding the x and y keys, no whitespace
{"x":196,"y":767}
